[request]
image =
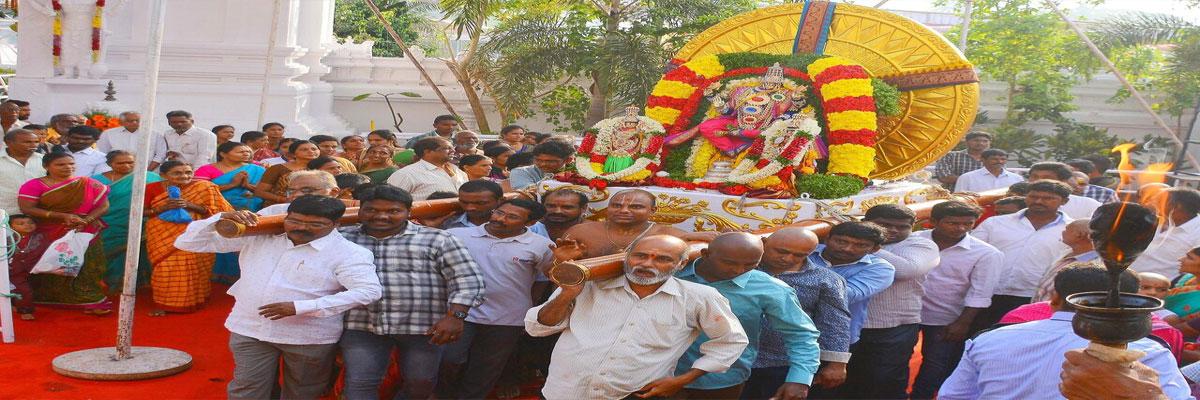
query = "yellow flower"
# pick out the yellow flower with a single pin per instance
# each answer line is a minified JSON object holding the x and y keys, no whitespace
{"x":598,"y":167}
{"x":673,"y":89}
{"x":847,"y":88}
{"x":703,"y":159}
{"x":851,"y":159}
{"x":706,"y":66}
{"x":851,"y":120}
{"x":58,"y":26}
{"x":765,"y":182}
{"x":822,"y":64}
{"x":663,"y":115}
{"x":637,"y":176}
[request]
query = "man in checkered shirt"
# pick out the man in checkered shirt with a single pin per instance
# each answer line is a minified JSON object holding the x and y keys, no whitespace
{"x":1099,"y":193}
{"x":956,"y":163}
{"x":429,"y":281}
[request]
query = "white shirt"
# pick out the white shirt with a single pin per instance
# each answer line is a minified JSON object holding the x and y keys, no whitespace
{"x":89,"y":162}
{"x":323,"y":278}
{"x":422,"y":178}
{"x":900,"y":303}
{"x":13,"y":175}
{"x":1024,"y":361}
{"x":614,"y":343}
{"x":982,"y":180}
{"x":509,"y":267}
{"x":1027,"y":252}
{"x":1079,"y":207}
{"x":120,"y":138}
{"x":965,"y":277}
{"x":1169,"y":245}
{"x":198,"y":146}
{"x":274,"y":209}
{"x":273,"y":161}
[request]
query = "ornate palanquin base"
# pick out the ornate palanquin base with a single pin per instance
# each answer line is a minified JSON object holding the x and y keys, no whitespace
{"x":702,"y":210}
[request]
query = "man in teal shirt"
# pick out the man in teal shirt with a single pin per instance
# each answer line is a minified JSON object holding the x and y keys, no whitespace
{"x":728,"y":265}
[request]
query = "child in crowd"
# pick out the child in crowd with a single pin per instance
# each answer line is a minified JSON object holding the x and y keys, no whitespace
{"x":348,"y":183}
{"x":24,"y":226}
{"x":1009,"y":205}
{"x":1157,"y":286}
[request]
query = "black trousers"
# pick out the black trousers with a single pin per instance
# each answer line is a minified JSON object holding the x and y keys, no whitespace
{"x":878,"y":367}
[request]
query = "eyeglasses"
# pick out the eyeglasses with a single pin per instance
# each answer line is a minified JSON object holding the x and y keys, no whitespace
{"x":505,"y":215}
{"x":307,"y":190}
{"x":309,"y":225}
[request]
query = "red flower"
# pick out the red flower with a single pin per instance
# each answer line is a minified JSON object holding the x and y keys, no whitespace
{"x":653,"y":167}
{"x":598,"y":184}
{"x":735,"y":190}
{"x":589,"y":141}
{"x":762,"y":163}
{"x":599,"y":158}
{"x":856,"y":103}
{"x":656,"y":143}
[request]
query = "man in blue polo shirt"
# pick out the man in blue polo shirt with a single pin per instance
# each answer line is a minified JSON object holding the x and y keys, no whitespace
{"x":728,"y":265}
{"x":849,"y":251}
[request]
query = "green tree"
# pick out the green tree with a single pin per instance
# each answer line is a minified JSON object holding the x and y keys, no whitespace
{"x":616,"y":49}
{"x":353,"y":19}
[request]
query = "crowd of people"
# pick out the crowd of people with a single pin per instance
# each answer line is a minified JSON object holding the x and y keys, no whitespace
{"x":462,"y":307}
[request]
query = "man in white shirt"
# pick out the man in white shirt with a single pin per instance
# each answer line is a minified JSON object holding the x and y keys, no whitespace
{"x":1024,"y":361}
{"x":125,"y":137}
{"x":624,"y":335}
{"x":956,"y":292}
{"x":433,"y":173}
{"x":1179,"y":233}
{"x":291,"y":296}
{"x":1030,"y":240}
{"x":1076,"y":207}
{"x":993,"y":175}
{"x":185,"y":142}
{"x":18,"y":164}
{"x":878,"y":365}
{"x":9,"y":116}
{"x":88,"y":161}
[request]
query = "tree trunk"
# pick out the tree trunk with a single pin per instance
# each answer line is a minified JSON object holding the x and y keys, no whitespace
{"x":407,"y":53}
{"x":1008,"y":103}
{"x":601,"y":77}
{"x":598,"y":104}
{"x":464,"y":79}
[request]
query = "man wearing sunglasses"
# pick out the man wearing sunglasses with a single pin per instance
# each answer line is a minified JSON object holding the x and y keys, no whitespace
{"x":291,"y":296}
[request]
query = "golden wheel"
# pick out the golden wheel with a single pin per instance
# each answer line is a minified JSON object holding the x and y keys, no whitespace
{"x":939,"y":90}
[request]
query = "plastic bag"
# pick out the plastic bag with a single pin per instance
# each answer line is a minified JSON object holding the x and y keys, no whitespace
{"x":177,"y":215}
{"x":64,"y":256}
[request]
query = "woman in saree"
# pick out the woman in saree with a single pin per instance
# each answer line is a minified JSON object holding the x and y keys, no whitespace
{"x":499,"y":155}
{"x":236,"y":176}
{"x":378,"y":164}
{"x":181,"y":280}
{"x":61,"y":203}
{"x":120,"y":191}
{"x":274,"y":182}
{"x":354,"y":148}
{"x":1184,"y":297}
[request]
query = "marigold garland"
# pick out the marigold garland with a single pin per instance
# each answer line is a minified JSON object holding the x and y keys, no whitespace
{"x":57,"y":31}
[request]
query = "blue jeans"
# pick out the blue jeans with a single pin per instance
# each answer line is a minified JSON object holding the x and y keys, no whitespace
{"x":479,"y":355}
{"x":878,"y":367}
{"x":938,"y":360}
{"x":367,"y":355}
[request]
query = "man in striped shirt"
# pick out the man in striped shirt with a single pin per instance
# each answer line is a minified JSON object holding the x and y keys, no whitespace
{"x":955,"y":163}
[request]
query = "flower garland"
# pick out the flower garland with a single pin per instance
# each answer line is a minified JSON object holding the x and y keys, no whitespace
{"x":843,"y":88}
{"x":598,"y":143}
{"x":57,"y":31}
{"x":773,"y":151}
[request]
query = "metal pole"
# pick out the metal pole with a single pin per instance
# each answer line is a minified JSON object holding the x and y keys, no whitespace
{"x":6,"y":320}
{"x":136,"y":202}
{"x":266,"y":85}
{"x":968,"y":8}
{"x":1121,"y":77}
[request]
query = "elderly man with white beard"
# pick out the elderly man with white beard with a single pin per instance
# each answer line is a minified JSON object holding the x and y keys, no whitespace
{"x":621,"y":337}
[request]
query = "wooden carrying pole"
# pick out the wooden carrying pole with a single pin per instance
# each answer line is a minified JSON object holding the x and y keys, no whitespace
{"x":613,"y":265}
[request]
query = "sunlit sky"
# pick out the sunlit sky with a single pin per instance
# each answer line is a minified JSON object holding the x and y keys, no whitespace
{"x":1174,"y":7}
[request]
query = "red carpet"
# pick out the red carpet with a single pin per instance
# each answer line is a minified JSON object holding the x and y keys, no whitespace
{"x":27,"y":374}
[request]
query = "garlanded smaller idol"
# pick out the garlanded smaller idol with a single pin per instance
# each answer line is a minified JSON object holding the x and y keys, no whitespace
{"x":621,"y":149}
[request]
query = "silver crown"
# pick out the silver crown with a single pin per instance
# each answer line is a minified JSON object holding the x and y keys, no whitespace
{"x":774,"y":74}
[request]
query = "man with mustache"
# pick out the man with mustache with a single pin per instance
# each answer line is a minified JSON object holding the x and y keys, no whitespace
{"x":431,"y":282}
{"x":510,"y":258}
{"x":290,"y":298}
{"x":301,"y":183}
{"x":564,"y":209}
{"x":477,"y":198}
{"x":728,"y":265}
{"x":623,"y":336}
{"x":850,"y":250}
{"x":627,"y":219}
{"x":1031,"y":241}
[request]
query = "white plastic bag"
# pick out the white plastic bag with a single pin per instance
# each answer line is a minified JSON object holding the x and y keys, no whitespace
{"x":64,"y":256}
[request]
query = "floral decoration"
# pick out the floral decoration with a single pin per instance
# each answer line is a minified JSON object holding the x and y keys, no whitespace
{"x":101,"y":120}
{"x":57,"y":31}
{"x":597,"y":144}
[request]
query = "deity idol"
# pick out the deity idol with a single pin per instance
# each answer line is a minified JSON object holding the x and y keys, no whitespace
{"x":744,"y":111}
{"x":626,"y":141}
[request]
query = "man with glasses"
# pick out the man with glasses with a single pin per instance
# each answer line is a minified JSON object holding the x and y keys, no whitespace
{"x":302,"y":183}
{"x":433,"y":173}
{"x":290,"y":298}
{"x":511,"y":258}
{"x":431,"y":282}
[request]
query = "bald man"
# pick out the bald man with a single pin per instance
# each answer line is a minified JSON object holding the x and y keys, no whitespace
{"x":1082,"y":251}
{"x":822,"y":295}
{"x":728,"y":265}
{"x":627,"y":219}
{"x":623,"y":336}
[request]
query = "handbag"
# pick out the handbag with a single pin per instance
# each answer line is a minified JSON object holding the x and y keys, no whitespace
{"x":176,"y":215}
{"x":65,"y":255}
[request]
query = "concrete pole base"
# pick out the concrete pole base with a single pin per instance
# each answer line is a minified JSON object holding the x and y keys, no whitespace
{"x":100,"y":364}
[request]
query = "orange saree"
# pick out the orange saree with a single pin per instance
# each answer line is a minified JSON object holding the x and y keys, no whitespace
{"x":180,"y":280}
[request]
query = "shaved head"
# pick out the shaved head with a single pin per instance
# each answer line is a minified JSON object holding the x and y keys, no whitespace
{"x":729,"y":256}
{"x":636,"y":192}
{"x":787,"y":249}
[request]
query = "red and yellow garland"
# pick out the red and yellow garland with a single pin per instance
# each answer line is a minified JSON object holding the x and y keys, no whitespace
{"x":57,"y":31}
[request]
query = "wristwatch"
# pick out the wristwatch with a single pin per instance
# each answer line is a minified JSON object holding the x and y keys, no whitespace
{"x":460,"y":315}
